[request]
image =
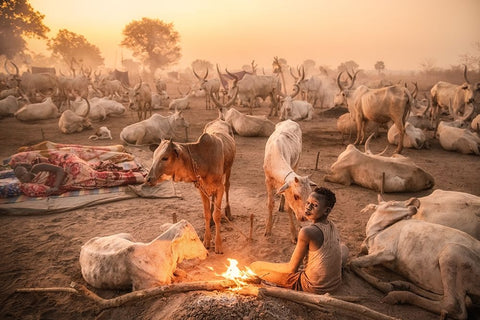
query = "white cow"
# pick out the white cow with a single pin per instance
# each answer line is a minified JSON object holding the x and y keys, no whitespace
{"x":242,"y":124}
{"x":38,"y":111}
{"x":8,"y":106}
{"x":367,"y":169}
{"x":295,"y":110}
{"x":71,"y":122}
{"x":282,"y":156}
{"x":154,"y":129}
{"x":182,"y":103}
{"x":118,"y":262}
{"x":454,"y":138}
{"x":413,"y":138}
{"x":159,"y":100}
{"x":458,"y":210}
{"x":443,"y":263}
{"x":100,"y":108}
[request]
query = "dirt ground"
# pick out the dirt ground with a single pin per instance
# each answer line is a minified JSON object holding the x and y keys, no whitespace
{"x":43,"y":251}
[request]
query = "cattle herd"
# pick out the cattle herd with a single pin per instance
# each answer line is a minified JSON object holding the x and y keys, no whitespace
{"x":437,"y":250}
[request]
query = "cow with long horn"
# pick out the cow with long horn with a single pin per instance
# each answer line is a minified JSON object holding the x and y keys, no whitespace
{"x":380,"y":105}
{"x":140,"y":98}
{"x":211,"y":86}
{"x":251,"y":87}
{"x":70,"y":122}
{"x":457,"y":99}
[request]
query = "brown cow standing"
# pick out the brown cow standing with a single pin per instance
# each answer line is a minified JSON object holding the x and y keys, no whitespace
{"x":207,"y":163}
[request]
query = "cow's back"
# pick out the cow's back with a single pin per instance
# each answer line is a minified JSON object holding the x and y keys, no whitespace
{"x":283,"y":147}
{"x":104,"y":261}
{"x":457,"y":210}
{"x":223,"y":131}
{"x":417,"y":246}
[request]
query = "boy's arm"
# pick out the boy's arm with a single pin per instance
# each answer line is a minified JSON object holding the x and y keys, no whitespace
{"x":59,"y":173}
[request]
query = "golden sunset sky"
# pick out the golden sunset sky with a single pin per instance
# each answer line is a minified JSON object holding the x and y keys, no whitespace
{"x":403,"y":33}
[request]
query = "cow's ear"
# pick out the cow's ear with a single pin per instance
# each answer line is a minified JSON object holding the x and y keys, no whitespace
{"x":153,"y":147}
{"x":413,"y":202}
{"x":177,"y":153}
{"x":465,"y":86}
{"x":283,"y":188}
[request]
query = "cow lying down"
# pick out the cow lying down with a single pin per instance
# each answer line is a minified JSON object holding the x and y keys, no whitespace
{"x":453,"y":137}
{"x":442,"y":263}
{"x":366,"y":169}
{"x":413,"y":138}
{"x":118,"y":262}
{"x":154,"y":129}
{"x":458,"y":210}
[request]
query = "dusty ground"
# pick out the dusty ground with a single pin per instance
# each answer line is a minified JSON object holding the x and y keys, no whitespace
{"x":42,"y":251}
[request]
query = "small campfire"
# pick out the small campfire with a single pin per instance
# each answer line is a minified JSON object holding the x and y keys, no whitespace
{"x":241,"y":278}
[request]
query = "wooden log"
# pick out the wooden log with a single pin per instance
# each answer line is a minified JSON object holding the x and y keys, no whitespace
{"x":324,"y":301}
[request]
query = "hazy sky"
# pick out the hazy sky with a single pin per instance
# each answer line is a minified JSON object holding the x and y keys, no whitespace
{"x":401,"y":33}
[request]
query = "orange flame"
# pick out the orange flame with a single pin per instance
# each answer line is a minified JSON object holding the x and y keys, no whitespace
{"x":236,"y":275}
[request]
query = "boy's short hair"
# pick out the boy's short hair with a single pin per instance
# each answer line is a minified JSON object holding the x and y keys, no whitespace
{"x":330,"y":198}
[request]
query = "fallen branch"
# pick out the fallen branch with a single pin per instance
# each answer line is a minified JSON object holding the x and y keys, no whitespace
{"x":136,"y":295}
{"x":324,"y":303}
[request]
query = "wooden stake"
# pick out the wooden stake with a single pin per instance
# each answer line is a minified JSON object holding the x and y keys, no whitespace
{"x":316,"y":161}
{"x":251,"y":226}
{"x":174,"y":217}
{"x":382,"y":185}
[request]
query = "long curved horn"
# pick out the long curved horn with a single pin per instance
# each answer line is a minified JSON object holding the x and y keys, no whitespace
{"x":353,"y":79}
{"x":235,"y":78}
{"x":367,"y":144}
{"x":303,"y":74}
{"x":138,"y":86}
{"x":206,"y":75}
{"x":294,"y":77}
{"x":465,"y":74}
{"x":228,"y":104}
{"x":415,"y":90}
{"x":222,"y":81}
{"x":367,"y":147}
{"x":88,"y":107}
{"x":196,"y":75}
{"x":338,"y":81}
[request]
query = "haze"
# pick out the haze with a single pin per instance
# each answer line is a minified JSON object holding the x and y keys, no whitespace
{"x":403,"y":34}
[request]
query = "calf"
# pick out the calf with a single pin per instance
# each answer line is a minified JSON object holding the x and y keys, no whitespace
{"x":118,"y":262}
{"x":207,"y":163}
{"x":413,"y":138}
{"x":387,"y":174}
{"x":443,"y":263}
{"x":154,"y":129}
{"x":102,"y":133}
{"x":282,"y":156}
{"x":454,"y":138}
{"x":182,"y":103}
